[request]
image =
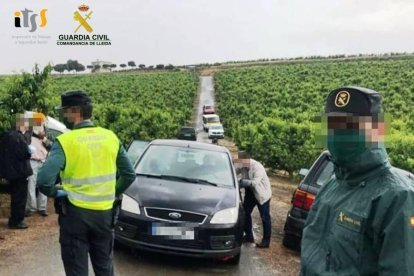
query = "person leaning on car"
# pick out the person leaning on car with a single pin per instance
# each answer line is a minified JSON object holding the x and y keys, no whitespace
{"x":258,"y":193}
{"x":362,"y":221}
{"x":88,"y":159}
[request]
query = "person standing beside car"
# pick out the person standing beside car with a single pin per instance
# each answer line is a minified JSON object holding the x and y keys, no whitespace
{"x":88,"y":159}
{"x":15,"y":156}
{"x":39,"y":153}
{"x":258,"y":193}
{"x":362,"y":221}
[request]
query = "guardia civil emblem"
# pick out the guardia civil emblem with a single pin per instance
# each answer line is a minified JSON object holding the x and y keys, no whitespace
{"x":342,"y":99}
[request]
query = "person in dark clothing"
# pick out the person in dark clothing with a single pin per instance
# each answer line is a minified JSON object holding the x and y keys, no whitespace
{"x":88,"y":158}
{"x":16,"y":169}
{"x":362,"y":220}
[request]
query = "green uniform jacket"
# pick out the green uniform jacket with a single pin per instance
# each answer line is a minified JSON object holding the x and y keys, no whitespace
{"x":362,"y":221}
{"x":56,"y":162}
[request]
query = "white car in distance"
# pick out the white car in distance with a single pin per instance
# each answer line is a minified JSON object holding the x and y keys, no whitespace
{"x":215,"y":131}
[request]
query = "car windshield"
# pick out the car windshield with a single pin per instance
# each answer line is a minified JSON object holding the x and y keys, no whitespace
{"x":135,"y":149}
{"x":216,"y":127}
{"x":188,"y":164}
{"x":213,"y":120}
{"x":187,"y":130}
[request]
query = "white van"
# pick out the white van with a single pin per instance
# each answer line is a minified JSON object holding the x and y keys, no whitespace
{"x":210,"y":119}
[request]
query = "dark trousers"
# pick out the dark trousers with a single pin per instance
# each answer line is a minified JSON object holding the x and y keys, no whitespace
{"x":249,"y":203}
{"x":84,"y":232}
{"x":18,"y":194}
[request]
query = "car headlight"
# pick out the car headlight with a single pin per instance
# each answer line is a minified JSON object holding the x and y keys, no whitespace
{"x":225,"y":216}
{"x":130,"y":205}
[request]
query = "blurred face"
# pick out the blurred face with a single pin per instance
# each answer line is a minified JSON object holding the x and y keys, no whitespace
{"x":349,"y":136}
{"x":22,"y":123}
{"x":38,"y":128}
{"x":373,"y":129}
{"x":70,"y":116}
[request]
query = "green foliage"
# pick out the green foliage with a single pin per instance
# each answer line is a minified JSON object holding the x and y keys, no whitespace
{"x":136,"y":106}
{"x":279,"y":145}
{"x":28,"y":91}
{"x":294,"y":94}
{"x":401,"y":151}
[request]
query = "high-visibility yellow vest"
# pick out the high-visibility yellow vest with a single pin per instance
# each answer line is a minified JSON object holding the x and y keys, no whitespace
{"x":89,"y":176}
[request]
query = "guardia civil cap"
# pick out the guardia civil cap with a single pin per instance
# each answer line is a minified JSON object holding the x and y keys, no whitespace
{"x":75,"y":98}
{"x":353,"y":100}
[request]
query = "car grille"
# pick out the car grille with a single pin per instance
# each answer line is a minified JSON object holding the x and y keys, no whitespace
{"x":164,"y":214}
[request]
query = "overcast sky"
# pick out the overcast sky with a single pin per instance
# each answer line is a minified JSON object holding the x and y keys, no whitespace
{"x":196,"y":31}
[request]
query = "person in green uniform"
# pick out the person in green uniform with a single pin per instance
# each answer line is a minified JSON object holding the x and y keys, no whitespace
{"x":362,"y":221}
{"x":87,"y":159}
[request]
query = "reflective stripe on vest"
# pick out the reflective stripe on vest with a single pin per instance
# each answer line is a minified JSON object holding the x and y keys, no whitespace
{"x":89,"y":180}
{"x":89,"y":176}
{"x":89,"y":198}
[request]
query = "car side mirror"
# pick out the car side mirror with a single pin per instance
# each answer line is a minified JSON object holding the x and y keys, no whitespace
{"x":303,"y":172}
{"x":243,"y":185}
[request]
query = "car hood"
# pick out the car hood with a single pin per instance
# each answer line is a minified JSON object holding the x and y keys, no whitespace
{"x":198,"y":198}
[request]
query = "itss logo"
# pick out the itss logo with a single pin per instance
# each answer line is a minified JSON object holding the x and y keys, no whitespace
{"x":29,"y":19}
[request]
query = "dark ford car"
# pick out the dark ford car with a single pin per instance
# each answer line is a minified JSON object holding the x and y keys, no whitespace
{"x":185,"y":201}
{"x":319,"y":174}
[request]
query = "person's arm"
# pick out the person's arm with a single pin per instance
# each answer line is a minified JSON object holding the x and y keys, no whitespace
{"x":125,"y":170}
{"x":21,"y":148}
{"x":49,"y":172}
{"x":258,"y":173}
{"x":395,"y":236}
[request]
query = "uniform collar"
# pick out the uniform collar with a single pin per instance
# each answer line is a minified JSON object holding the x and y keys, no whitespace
{"x":366,"y":165}
{"x":84,"y":124}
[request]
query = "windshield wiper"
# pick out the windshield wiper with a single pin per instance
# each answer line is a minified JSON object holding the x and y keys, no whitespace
{"x":149,"y":175}
{"x":188,"y":179}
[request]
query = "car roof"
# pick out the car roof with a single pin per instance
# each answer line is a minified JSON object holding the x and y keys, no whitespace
{"x":189,"y":144}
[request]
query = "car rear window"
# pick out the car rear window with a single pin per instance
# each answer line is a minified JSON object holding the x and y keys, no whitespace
{"x":326,"y":174}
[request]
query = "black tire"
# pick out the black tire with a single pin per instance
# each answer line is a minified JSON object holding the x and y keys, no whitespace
{"x":291,"y":242}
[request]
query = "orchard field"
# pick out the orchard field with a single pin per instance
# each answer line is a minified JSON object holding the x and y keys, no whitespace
{"x":134,"y":105}
{"x":271,"y":110}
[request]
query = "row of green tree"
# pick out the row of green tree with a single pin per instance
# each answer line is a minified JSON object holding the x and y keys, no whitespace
{"x":74,"y":65}
{"x":271,"y":110}
{"x":135,"y":106}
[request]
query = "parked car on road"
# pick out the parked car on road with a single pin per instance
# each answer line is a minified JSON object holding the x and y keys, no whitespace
{"x":187,"y":133}
{"x":215,"y":131}
{"x":185,"y":201}
{"x":319,"y":174}
{"x":208,"y":109}
{"x":210,"y":119}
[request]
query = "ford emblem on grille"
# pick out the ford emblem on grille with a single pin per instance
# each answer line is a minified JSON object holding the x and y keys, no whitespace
{"x":174,"y":215}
